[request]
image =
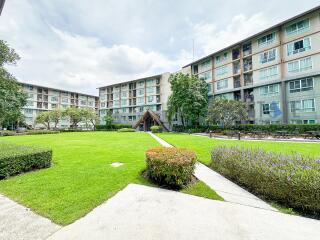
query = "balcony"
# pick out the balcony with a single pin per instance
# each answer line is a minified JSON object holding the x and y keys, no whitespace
{"x":235,"y":54}
{"x":247,"y":49}
{"x":248,"y":79}
{"x":236,"y":82}
{"x":236,"y":68}
{"x":247,"y":64}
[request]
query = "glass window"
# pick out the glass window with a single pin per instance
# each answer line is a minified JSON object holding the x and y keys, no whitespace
{"x":269,"y":108}
{"x":267,"y":73}
{"x":300,"y":85}
{"x":150,"y":99}
{"x":221,"y":71}
{"x":268,"y":56}
{"x":307,"y":105}
{"x":298,"y":27}
{"x":269,"y":90}
{"x":266,"y":39}
{"x":299,"y":46}
{"x":206,"y":76}
{"x":150,"y":90}
{"x":205,"y":66}
{"x":300,"y":65}
{"x":221,"y":84}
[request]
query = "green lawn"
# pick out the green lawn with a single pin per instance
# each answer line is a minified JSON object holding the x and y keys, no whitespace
{"x":81,"y":177}
{"x":203,"y":145}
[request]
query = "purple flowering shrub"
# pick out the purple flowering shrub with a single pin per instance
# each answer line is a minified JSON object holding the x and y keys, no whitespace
{"x":293,"y":180}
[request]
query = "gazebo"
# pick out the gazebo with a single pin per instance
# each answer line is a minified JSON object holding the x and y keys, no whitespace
{"x":148,"y":120}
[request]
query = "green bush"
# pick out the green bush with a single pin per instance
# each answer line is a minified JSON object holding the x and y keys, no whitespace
{"x":156,"y":129}
{"x":126,"y":130}
{"x":112,"y":127}
{"x":292,"y":180}
{"x":7,"y":133}
{"x":15,"y":159}
{"x":171,"y":167}
{"x":38,"y":132}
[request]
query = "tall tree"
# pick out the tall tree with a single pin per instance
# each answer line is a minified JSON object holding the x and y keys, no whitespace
{"x":108,"y":119}
{"x":12,"y":98}
{"x":227,"y":112}
{"x":90,"y":116}
{"x":189,"y":98}
{"x":75,"y":115}
{"x":55,"y":117}
{"x":44,"y":118}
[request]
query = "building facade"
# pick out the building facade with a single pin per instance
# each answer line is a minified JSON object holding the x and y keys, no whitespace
{"x":128,"y":101}
{"x":276,"y":72}
{"x":46,"y":99}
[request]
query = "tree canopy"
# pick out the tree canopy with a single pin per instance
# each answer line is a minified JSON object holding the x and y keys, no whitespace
{"x":12,"y":98}
{"x":226,"y":112}
{"x":189,"y":98}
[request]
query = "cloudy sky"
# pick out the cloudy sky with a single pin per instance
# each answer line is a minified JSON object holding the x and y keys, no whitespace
{"x":80,"y":44}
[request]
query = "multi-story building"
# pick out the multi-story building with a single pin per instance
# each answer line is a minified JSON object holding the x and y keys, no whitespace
{"x":276,"y":71}
{"x":45,"y":99}
{"x":128,"y":101}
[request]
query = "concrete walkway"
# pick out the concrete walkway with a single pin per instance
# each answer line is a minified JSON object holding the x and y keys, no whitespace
{"x":20,"y":223}
{"x":145,"y":213}
{"x":230,"y":191}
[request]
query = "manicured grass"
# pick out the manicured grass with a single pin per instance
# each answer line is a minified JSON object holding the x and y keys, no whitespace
{"x":204,"y":145}
{"x":81,"y":177}
{"x":202,"y":190}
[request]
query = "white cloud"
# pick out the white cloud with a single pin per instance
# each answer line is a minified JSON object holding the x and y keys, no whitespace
{"x":208,"y":38}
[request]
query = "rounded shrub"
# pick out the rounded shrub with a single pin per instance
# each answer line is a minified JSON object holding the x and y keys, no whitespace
{"x":171,"y":167}
{"x":156,"y":129}
{"x":126,"y":130}
{"x":293,"y":180}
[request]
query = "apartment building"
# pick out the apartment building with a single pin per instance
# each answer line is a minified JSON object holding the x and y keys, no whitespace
{"x":46,"y":99}
{"x":128,"y":101}
{"x":276,"y":72}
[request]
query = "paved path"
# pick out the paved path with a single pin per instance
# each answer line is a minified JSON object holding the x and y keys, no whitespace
{"x":20,"y":223}
{"x":224,"y":187}
{"x":145,"y":213}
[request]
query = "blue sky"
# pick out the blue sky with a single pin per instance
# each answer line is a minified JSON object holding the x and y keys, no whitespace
{"x":80,"y":45}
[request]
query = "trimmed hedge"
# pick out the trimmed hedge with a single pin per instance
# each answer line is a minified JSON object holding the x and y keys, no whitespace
{"x":126,"y":130}
{"x":171,"y":167}
{"x":156,"y":129}
{"x":112,"y":127}
{"x":292,"y":180}
{"x":269,"y":129}
{"x":15,"y":159}
{"x":29,"y":132}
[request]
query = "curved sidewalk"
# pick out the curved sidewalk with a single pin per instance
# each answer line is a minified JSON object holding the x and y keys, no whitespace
{"x":230,"y":191}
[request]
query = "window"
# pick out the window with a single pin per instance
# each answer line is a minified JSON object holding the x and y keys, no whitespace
{"x":30,"y":95}
{"x":298,"y":27}
{"x":116,"y":95}
{"x":82,"y":102}
{"x":141,"y":84}
{"x":124,"y":94}
{"x":210,"y":87}
{"x":301,"y":85}
{"x":266,"y":39}
{"x":29,"y":104}
{"x":103,"y":104}
{"x":307,"y":105}
{"x":141,"y":92}
{"x":140,"y":100}
{"x":205,"y":66}
{"x":222,"y":58}
{"x":30,"y":88}
{"x":308,"y":121}
{"x":269,"y":108}
{"x":221,"y":71}
{"x":150,"y":99}
{"x":299,"y":46}
{"x":116,"y":103}
{"x":269,"y":90}
{"x":221,"y":84}
{"x":151,"y":90}
{"x":205,"y":76}
{"x":54,"y":99}
{"x":268,"y":56}
{"x":300,"y":65}
{"x":53,"y":106}
{"x":28,"y":111}
{"x":124,"y":102}
{"x":267,"y":73}
{"x":151,"y":82}
{"x":65,"y":100}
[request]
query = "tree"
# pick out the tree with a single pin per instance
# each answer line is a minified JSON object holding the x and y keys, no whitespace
{"x":108,"y":119}
{"x":189,"y":98}
{"x":44,"y":118}
{"x":12,"y":98}
{"x":55,"y":116}
{"x":90,"y":115}
{"x":75,"y":115}
{"x":226,"y":112}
